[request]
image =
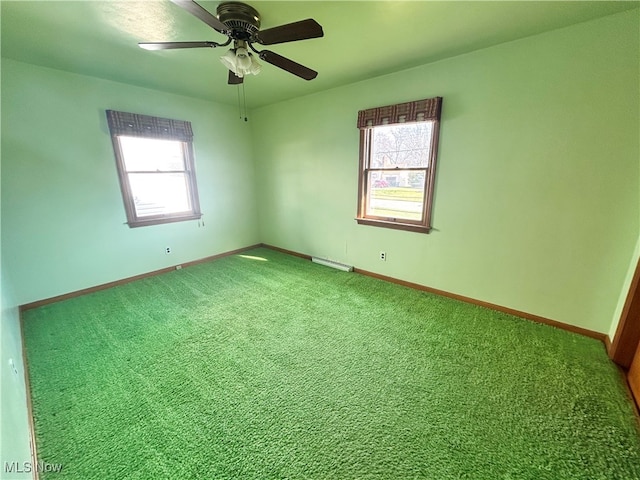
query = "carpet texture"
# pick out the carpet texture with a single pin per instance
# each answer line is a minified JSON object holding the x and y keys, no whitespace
{"x":267,"y":366}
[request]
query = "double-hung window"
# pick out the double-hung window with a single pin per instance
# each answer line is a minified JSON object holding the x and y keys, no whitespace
{"x":156,"y":169}
{"x":398,"y":151}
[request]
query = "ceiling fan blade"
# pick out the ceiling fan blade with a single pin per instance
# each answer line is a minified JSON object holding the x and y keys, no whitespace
{"x":234,"y":79}
{"x":288,"y":65}
{"x":194,"y":9}
{"x":172,"y":45}
{"x":291,"y":32}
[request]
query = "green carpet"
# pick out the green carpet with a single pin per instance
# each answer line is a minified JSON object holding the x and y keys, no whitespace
{"x":267,"y":366}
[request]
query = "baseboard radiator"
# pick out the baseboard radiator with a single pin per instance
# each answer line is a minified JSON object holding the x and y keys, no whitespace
{"x":332,"y":264}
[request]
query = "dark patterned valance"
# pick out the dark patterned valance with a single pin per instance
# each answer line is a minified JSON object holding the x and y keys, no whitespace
{"x":417,"y":111}
{"x":135,"y":125}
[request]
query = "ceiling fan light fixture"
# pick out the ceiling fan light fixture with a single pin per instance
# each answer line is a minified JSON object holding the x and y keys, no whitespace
{"x":241,"y":62}
{"x":229,"y":60}
{"x":256,"y":68}
{"x":242,"y":59}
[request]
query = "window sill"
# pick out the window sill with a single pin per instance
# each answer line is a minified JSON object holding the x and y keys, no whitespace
{"x":162,"y":220}
{"x":410,"y":227}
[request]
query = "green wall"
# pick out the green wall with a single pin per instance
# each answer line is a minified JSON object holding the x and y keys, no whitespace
{"x":537,"y":202}
{"x":62,"y":212}
{"x":14,"y":438}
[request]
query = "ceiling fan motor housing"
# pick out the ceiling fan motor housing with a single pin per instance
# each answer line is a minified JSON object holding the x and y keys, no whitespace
{"x":242,"y":20}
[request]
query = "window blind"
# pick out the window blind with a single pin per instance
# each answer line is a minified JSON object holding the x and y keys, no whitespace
{"x":136,"y":125}
{"x":416,"y":111}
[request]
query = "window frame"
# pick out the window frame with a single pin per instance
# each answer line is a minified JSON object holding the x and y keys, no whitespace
{"x":427,"y":110}
{"x":124,"y":124}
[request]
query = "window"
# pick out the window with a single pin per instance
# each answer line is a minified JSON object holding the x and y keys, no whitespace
{"x":156,"y":169}
{"x":398,"y":150}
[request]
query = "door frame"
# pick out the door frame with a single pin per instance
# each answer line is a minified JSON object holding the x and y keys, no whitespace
{"x":627,"y":337}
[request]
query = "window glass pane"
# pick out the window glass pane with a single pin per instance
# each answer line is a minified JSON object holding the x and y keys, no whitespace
{"x":396,"y":194}
{"x":401,"y":145}
{"x":159,"y":193}
{"x":151,"y":154}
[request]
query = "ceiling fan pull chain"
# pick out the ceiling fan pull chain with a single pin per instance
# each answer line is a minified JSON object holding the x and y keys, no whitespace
{"x":239,"y":105}
{"x":244,"y":98}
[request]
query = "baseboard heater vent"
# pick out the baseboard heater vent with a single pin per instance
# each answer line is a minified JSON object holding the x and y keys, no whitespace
{"x":332,"y":264}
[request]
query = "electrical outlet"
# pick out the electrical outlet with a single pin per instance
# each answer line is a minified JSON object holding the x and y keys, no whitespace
{"x":383,"y":256}
{"x":13,"y":366}
{"x":167,"y":250}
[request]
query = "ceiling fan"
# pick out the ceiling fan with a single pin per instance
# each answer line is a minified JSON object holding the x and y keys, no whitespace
{"x":241,"y":23}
